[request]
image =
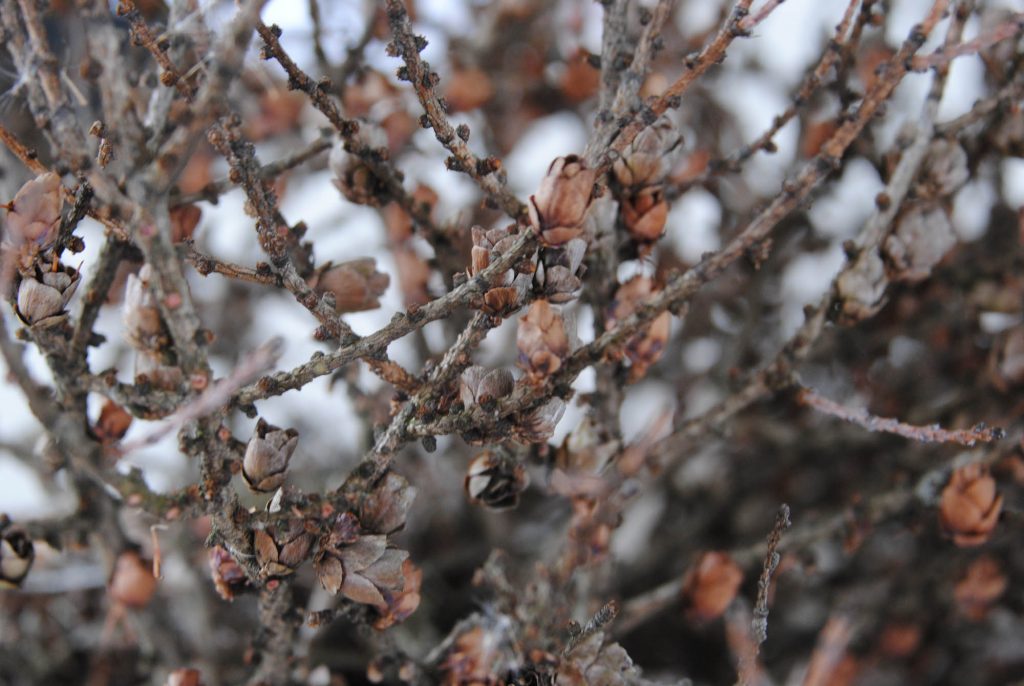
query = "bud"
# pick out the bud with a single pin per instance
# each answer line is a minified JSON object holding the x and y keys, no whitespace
{"x":267,"y":455}
{"x":140,"y":314}
{"x":649,"y":158}
{"x":541,"y":340}
{"x":480,"y":386}
{"x":34,"y":216}
{"x":645,"y":348}
{"x":711,"y":585}
{"x":558,"y":209}
{"x":42,"y":298}
{"x":16,"y":554}
{"x":969,"y":507}
{"x":132,"y":583}
{"x":356,"y":285}
{"x":645,"y":213}
{"x":281,"y":549}
{"x":495,"y":480}
{"x":922,"y":237}
{"x":352,"y":176}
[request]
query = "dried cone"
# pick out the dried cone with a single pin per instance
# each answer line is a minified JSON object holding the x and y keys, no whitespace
{"x":970,"y":506}
{"x":479,"y":386}
{"x":650,"y":157}
{"x":980,"y":588}
{"x":558,"y":269}
{"x":539,"y":425}
{"x":352,"y":176}
{"x":144,"y":329}
{"x":558,"y":209}
{"x":113,"y":422}
{"x":594,"y":661}
{"x":228,"y":577}
{"x":495,"y":480}
{"x":486,"y":243}
{"x":42,"y":298}
{"x":922,"y":237}
{"x":711,"y":585}
{"x":542,"y":341}
{"x":403,"y":603}
{"x":645,"y":214}
{"x":16,"y":554}
{"x":384,"y":508}
{"x":267,"y":456}
{"x":34,"y":216}
{"x":945,"y":170}
{"x":508,"y":289}
{"x":861,"y":289}
{"x":132,"y":583}
{"x":478,"y":654}
{"x":645,"y":348}
{"x":356,"y":285}
{"x":281,"y":550}
{"x":364,"y":571}
{"x":184,"y":220}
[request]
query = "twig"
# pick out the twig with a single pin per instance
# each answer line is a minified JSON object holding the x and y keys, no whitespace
{"x":485,"y":172}
{"x":778,"y":374}
{"x":924,"y":434}
{"x":759,"y":624}
{"x":214,"y":397}
{"x":400,"y":325}
{"x":759,"y":620}
{"x":1014,"y":26}
{"x":844,"y":37}
{"x":346,"y":128}
{"x":276,"y":239}
{"x":267,"y":172}
{"x":833,"y":640}
{"x":613,"y":52}
{"x":318,"y":47}
{"x":438,"y":379}
{"x":869,"y":513}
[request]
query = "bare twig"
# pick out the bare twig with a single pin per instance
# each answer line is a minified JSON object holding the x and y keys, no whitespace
{"x":486,"y":172}
{"x":925,"y":434}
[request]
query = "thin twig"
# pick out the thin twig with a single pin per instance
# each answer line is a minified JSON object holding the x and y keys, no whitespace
{"x":485,"y":172}
{"x":980,"y":433}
